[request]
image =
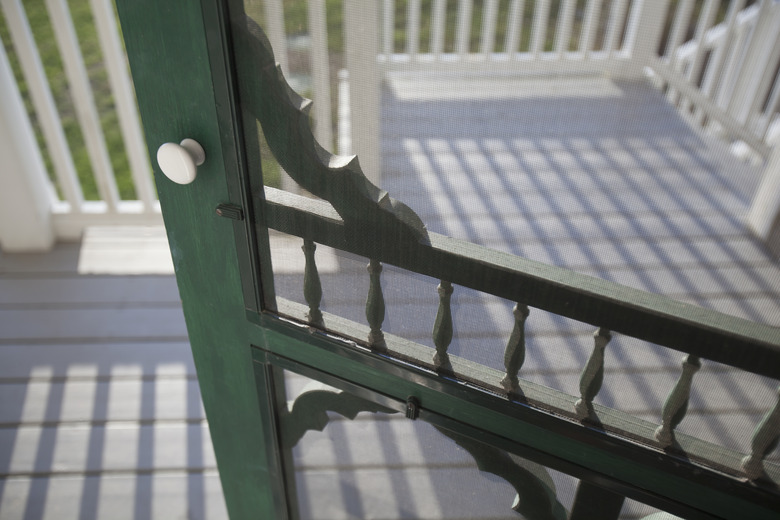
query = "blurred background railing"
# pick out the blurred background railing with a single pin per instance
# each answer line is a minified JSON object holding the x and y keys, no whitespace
{"x":74,"y":153}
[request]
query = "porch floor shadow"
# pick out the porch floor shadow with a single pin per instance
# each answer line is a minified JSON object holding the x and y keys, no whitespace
{"x":100,"y":413}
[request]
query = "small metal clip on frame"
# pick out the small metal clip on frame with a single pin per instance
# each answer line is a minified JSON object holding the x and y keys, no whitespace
{"x":412,"y":408}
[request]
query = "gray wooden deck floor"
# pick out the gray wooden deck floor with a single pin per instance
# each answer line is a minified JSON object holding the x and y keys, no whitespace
{"x":100,"y":415}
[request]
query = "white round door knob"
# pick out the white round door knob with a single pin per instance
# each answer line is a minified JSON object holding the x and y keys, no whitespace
{"x":179,"y":162}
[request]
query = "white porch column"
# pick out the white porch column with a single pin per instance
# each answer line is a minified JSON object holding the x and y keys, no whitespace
{"x":643,"y":34}
{"x":764,"y":216}
{"x":25,"y":191}
{"x":361,"y":47}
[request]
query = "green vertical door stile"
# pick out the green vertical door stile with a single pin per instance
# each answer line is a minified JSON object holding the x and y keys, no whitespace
{"x":178,"y":61}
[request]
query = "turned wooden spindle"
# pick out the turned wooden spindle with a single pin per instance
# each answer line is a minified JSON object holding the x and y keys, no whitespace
{"x":592,"y":375}
{"x":676,"y":405}
{"x":312,"y":288}
{"x":375,"y":307}
{"x":514,"y":355}
{"x":442,"y":329}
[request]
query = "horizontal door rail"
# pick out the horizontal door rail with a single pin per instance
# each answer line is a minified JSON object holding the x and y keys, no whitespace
{"x":726,"y":477}
{"x":701,"y":333}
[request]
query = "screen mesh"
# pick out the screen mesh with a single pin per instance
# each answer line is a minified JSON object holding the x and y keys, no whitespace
{"x":598,"y":136}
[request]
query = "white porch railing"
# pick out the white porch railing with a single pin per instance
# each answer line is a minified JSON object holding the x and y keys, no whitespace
{"x":727,"y":75}
{"x":68,"y":215}
{"x":718,"y":63}
{"x":532,"y":42}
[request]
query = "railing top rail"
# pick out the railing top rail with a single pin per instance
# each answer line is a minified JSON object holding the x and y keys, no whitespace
{"x":646,"y":316}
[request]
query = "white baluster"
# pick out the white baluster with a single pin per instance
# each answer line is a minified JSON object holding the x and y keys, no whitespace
{"x":564,"y":27}
{"x":682,"y":18}
{"x":438,"y":18}
{"x":361,"y":45}
{"x":514,"y":26}
{"x":413,"y":29}
{"x":320,"y":73}
{"x":644,"y":30}
{"x":388,"y":28}
{"x":758,"y":71}
{"x":488,"y":36}
{"x":274,"y":28}
{"x":463,"y":34}
{"x":124,"y":97}
{"x":706,"y":19}
{"x":539,"y":32}
{"x":617,"y":15}
{"x":84,"y":101}
{"x":765,"y":207}
{"x":735,"y":59}
{"x":773,"y":106}
{"x":43,"y":101}
{"x":712,"y":74}
{"x":590,"y":26}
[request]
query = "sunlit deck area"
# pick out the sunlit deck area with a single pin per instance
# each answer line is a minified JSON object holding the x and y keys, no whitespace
{"x":100,"y":414}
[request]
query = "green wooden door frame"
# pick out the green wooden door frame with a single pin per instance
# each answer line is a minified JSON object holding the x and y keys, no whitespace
{"x":177,"y":52}
{"x":182,"y":67}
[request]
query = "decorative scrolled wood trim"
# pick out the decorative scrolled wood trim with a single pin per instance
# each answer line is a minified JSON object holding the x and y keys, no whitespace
{"x":536,"y":497}
{"x":369,"y":213}
{"x":310,"y":410}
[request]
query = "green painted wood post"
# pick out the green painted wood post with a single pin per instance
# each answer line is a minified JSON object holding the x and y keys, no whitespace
{"x":176,"y":51}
